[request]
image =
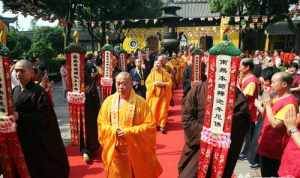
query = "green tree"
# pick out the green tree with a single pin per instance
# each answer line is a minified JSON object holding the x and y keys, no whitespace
{"x":47,"y":43}
{"x":87,"y":11}
{"x":42,"y":50}
{"x":250,"y":7}
{"x":18,"y":43}
{"x":52,"y":36}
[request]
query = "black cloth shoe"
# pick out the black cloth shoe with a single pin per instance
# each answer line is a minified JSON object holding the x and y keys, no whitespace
{"x":242,"y":157}
{"x":254,"y":166}
{"x":163,"y":130}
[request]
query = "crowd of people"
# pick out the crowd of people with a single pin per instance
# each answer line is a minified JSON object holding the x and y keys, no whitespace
{"x":123,"y":126}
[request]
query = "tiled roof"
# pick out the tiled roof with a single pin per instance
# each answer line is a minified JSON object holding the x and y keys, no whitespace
{"x":193,"y":8}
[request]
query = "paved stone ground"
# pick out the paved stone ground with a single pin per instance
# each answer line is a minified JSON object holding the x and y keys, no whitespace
{"x":242,"y":169}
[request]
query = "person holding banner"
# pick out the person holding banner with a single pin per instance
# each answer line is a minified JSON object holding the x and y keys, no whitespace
{"x":192,"y":120}
{"x":37,"y":127}
{"x":127,"y":134}
{"x":215,"y":118}
{"x":159,"y":93}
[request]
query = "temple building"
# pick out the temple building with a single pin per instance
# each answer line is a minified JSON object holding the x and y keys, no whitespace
{"x":197,"y":26}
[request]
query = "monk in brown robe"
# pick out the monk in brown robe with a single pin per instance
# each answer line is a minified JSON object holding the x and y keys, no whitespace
{"x":37,"y":127}
{"x":192,"y":120}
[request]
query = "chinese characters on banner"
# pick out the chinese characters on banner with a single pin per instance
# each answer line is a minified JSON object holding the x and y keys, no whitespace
{"x":123,"y":62}
{"x":196,"y":68}
{"x":222,"y":78}
{"x":107,"y":64}
{"x":75,"y":72}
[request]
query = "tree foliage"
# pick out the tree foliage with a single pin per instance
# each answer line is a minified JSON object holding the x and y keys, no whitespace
{"x":87,"y":11}
{"x":228,"y":7}
{"x":18,"y":43}
{"x":250,"y":7}
{"x":41,"y":49}
{"x":47,"y":43}
{"x":52,"y":36}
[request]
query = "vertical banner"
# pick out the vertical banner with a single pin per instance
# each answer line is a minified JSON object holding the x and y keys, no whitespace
{"x":123,"y":62}
{"x":196,"y":68}
{"x":76,"y":96}
{"x":197,"y":64}
{"x":215,"y":139}
{"x":107,"y":80}
{"x":11,"y":155}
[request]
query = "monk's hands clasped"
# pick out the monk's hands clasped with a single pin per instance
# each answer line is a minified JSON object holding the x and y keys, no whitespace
{"x":266,"y":99}
{"x":291,"y":119}
{"x":159,"y":84}
{"x":8,"y":123}
{"x":120,"y":132}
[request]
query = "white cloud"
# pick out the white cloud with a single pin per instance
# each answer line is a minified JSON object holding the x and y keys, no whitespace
{"x":24,"y":23}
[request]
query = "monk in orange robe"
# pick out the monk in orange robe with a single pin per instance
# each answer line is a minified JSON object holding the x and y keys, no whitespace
{"x":159,"y":93}
{"x":127,"y":134}
{"x":182,"y":64}
{"x":174,"y":63}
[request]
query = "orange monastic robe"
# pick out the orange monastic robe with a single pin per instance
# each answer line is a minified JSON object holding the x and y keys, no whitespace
{"x":133,"y":155}
{"x":159,"y":98}
{"x":176,"y":66}
{"x":182,"y":65}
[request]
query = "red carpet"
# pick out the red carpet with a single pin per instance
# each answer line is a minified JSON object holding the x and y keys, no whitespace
{"x":169,"y":148}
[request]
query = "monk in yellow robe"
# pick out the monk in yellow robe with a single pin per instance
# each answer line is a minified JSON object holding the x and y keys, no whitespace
{"x":182,"y":64}
{"x":174,"y":62}
{"x":159,"y":93}
{"x":186,"y":56}
{"x":127,"y":134}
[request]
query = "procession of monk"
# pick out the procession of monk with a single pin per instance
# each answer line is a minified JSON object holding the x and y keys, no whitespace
{"x":242,"y":107}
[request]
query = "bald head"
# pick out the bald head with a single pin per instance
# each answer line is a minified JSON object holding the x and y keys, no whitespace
{"x":24,"y":64}
{"x":124,"y":75}
{"x":124,"y":84}
{"x":281,"y":82}
{"x":24,"y":71}
{"x":284,"y":77}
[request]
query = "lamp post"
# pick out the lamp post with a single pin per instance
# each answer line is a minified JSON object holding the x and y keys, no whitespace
{"x":169,"y":19}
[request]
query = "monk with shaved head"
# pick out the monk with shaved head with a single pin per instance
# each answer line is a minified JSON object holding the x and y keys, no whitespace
{"x":37,"y":127}
{"x":127,"y":133}
{"x":274,"y":137}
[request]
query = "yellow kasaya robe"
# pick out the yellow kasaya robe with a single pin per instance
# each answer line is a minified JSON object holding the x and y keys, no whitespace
{"x":176,"y":75}
{"x":159,"y":98}
{"x":131,"y":156}
{"x":182,"y":65}
{"x":186,"y":58}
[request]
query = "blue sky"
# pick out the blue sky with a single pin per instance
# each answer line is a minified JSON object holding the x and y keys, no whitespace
{"x":24,"y":23}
